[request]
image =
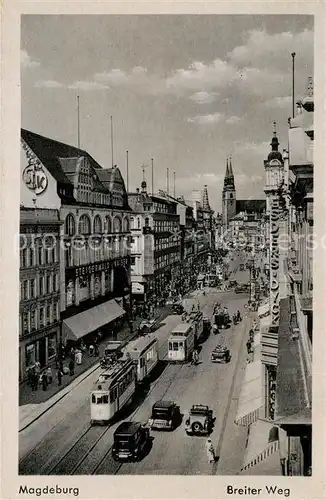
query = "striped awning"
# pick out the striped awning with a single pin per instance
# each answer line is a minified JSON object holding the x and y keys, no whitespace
{"x":250,"y":404}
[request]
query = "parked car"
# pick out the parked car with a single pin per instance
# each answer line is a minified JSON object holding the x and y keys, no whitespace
{"x":165,"y":415}
{"x":241,"y":267}
{"x":241,"y":289}
{"x":129,"y":441}
{"x":200,"y":420}
{"x":177,"y":308}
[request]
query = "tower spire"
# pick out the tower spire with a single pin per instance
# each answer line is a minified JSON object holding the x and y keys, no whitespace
{"x":230,"y":169}
{"x":227,"y":173}
{"x":206,"y":205}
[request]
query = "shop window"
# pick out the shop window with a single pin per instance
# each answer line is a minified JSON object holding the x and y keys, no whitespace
{"x":30,"y":355}
{"x":52,"y":346}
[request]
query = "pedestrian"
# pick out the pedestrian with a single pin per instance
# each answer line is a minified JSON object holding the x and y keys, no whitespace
{"x":91,"y":350}
{"x":59,"y":375}
{"x":72,"y":367}
{"x":49,"y":375}
{"x":210,"y":451}
{"x":96,"y":349}
{"x":35,"y":378}
{"x":248,"y":346}
{"x":44,"y":381}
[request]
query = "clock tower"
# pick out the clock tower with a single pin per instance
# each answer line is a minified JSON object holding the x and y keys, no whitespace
{"x":228,"y":195}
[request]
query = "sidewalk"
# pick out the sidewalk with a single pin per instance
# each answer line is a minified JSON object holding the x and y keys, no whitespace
{"x":89,"y":364}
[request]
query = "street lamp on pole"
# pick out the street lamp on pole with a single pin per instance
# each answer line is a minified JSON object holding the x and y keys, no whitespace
{"x":251,"y":269}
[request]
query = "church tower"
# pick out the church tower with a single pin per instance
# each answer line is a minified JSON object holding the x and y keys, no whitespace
{"x":228,"y":195}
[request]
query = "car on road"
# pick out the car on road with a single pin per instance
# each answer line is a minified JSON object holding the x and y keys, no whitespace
{"x":220,"y":354}
{"x":241,"y":289}
{"x":241,"y":267}
{"x":130,"y":440}
{"x":199,"y":420}
{"x":165,"y":415}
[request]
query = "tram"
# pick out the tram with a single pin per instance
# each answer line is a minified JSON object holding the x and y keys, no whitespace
{"x":184,"y":338}
{"x":115,"y":387}
{"x":144,"y":352}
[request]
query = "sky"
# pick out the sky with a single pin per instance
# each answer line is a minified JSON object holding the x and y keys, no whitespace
{"x":185,"y":90}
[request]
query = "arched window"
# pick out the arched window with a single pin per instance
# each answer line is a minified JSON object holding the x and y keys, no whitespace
{"x":132,"y":223}
{"x":146,"y":222}
{"x":126,"y":225}
{"x":116,"y":225}
{"x":108,"y":224}
{"x":97,"y":224}
{"x":70,"y":225}
{"x":138,"y":222}
{"x":84,"y":226}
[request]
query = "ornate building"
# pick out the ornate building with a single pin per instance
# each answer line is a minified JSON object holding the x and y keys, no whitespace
{"x":94,"y":236}
{"x":228,"y":195}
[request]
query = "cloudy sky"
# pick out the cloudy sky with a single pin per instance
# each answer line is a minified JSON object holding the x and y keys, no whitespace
{"x":186,"y":90}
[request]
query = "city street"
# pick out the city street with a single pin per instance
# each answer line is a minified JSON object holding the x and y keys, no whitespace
{"x":62,"y":441}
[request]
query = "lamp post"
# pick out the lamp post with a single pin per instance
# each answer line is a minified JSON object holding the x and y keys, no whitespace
{"x":251,"y":269}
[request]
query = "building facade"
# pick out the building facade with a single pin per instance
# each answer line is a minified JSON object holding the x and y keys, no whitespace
{"x":94,"y":249}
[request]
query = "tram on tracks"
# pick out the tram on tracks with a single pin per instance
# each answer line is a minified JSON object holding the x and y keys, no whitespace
{"x":184,"y":338}
{"x":144,"y":353}
{"x":114,"y":389}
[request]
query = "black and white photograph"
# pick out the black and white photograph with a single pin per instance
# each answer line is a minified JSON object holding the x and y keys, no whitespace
{"x":166,"y":248}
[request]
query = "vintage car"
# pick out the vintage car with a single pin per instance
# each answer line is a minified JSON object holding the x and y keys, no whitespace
{"x":206,"y":323}
{"x":177,"y":308}
{"x":200,"y":420}
{"x":241,"y":288}
{"x":129,"y":441}
{"x":147,"y":326}
{"x":165,"y":415}
{"x":222,"y":319}
{"x":220,"y":354}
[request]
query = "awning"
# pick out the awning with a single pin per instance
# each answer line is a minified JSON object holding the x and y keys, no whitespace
{"x":91,"y":320}
{"x":263,"y":310}
{"x":250,"y":404}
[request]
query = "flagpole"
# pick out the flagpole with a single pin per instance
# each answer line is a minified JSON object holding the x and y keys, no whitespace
{"x":152,"y":160}
{"x":78,"y":123}
{"x":112,"y":161}
{"x":127,"y":162}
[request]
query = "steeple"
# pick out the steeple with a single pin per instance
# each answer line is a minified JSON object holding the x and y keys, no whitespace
{"x":231,"y":171}
{"x":227,"y":173}
{"x":205,"y":202}
{"x":275,"y":153}
{"x":229,"y":178}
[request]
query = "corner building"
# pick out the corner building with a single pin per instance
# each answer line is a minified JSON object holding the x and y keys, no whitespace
{"x":95,"y":237}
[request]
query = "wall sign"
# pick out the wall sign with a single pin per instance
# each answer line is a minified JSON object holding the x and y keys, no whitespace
{"x":33,"y":175}
{"x":274,"y":262}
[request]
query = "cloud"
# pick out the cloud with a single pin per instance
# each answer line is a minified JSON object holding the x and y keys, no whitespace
{"x":85,"y":85}
{"x":137,"y":78}
{"x":206,"y":119}
{"x":257,"y":148}
{"x":203,"y":97}
{"x":48,"y":84}
{"x":279,"y":102}
{"x":26,"y":61}
{"x":233,"y":120}
{"x":261,"y":47}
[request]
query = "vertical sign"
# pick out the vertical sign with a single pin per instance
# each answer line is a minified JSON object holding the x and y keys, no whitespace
{"x":274,"y":262}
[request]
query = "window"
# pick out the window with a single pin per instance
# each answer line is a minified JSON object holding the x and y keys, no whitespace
{"x":48,"y":313}
{"x":23,"y":257}
{"x":146,"y":222}
{"x":132,"y":223}
{"x":117,"y":224}
{"x":138,"y":222}
{"x":70,"y":225}
{"x":40,"y":255}
{"x":41,"y":285}
{"x":48,"y":284}
{"x":33,"y":290}
{"x":41,"y":317}
{"x":25,"y":290}
{"x":56,"y":283}
{"x":126,"y":225}
{"x":25,"y":322}
{"x":33,"y":319}
{"x":108,"y":224}
{"x":32,"y":256}
{"x":52,"y":346}
{"x":84,"y":226}
{"x":97,"y":224}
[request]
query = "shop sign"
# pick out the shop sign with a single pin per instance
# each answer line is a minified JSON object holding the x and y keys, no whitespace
{"x":92,"y":268}
{"x":274,"y":262}
{"x":33,"y":175}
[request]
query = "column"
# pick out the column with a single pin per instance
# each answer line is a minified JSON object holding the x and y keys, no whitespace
{"x":92,"y":294}
{"x":46,"y":350}
{"x":102,"y":283}
{"x":77,"y":291}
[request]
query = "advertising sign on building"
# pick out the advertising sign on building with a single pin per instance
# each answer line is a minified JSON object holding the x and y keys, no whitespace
{"x":274,"y":261}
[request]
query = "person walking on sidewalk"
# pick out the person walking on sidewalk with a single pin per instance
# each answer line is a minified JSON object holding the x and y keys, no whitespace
{"x":59,"y":375}
{"x":72,"y":367}
{"x":49,"y":374}
{"x":44,"y":381}
{"x":35,"y":378}
{"x":210,"y":452}
{"x":91,"y":350}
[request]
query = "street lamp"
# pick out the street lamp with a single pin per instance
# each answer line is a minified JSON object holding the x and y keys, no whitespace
{"x":251,"y":270}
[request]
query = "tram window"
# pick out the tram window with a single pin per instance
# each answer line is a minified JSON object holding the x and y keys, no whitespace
{"x":99,"y":400}
{"x":180,"y":344}
{"x":93,"y":398}
{"x":175,"y":346}
{"x":113,"y":395}
{"x":170,"y":346}
{"x":105,"y":399}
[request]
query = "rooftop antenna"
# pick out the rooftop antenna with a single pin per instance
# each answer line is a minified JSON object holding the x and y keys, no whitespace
{"x":78,"y":123}
{"x":127,"y":165}
{"x":152,"y":161}
{"x":293,"y":56}
{"x":173,"y":184}
{"x":167,"y":180}
{"x":112,"y":161}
